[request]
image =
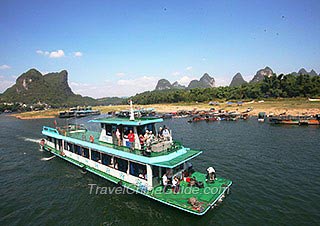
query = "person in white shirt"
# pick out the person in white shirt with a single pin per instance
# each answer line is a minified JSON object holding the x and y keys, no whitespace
{"x":166,"y":134}
{"x":118,"y":135}
{"x":165,"y":182}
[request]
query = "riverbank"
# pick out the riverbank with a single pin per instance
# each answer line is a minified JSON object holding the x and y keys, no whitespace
{"x":288,"y":106}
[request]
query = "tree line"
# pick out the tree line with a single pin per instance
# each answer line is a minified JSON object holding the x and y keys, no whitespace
{"x":285,"y":86}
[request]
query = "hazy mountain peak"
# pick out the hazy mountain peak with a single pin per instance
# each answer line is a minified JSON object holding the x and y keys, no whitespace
{"x":303,"y":71}
{"x":237,"y":80}
{"x":313,"y":73}
{"x":163,"y":84}
{"x":266,"y":72}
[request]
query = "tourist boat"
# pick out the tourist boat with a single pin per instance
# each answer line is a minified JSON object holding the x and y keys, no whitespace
{"x":135,"y":167}
{"x":78,"y":112}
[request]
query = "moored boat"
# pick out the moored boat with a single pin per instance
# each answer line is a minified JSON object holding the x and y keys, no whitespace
{"x":78,"y":112}
{"x":298,"y":120}
{"x":289,"y":120}
{"x":261,"y":116}
{"x":314,"y":99}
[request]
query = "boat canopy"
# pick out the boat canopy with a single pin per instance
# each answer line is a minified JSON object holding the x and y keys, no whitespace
{"x":126,"y":121}
{"x":190,"y":154}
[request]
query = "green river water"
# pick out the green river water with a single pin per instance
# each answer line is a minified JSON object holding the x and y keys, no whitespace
{"x":275,"y":172}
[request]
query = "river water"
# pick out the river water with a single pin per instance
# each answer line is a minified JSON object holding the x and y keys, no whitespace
{"x":275,"y":172}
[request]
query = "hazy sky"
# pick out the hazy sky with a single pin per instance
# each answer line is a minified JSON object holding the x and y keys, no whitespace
{"x":123,"y":47}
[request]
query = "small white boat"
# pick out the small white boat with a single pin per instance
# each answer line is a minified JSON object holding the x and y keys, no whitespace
{"x":313,"y":100}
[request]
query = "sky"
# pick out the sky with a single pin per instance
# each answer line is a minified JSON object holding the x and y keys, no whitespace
{"x":120,"y":48}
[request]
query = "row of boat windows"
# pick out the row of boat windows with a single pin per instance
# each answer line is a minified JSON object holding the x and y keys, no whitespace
{"x":133,"y":168}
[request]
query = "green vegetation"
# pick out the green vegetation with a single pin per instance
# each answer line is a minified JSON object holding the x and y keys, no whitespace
{"x":285,"y":86}
{"x":52,"y":89}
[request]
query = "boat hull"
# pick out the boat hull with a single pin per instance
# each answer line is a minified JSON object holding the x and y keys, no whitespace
{"x":223,"y":186}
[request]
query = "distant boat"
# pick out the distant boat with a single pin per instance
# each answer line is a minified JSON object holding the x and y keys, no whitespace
{"x":302,"y":120}
{"x":261,"y":116}
{"x":313,"y":100}
{"x":285,"y":120}
{"x":78,"y":112}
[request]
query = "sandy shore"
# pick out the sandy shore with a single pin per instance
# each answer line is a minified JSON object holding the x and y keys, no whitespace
{"x":290,"y":106}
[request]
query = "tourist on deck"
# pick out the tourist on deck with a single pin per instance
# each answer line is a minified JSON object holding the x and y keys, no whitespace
{"x":169,"y":174}
{"x":147,"y":139}
{"x":131,"y":139}
{"x":176,"y":185}
{"x":151,"y":136}
{"x":165,"y":182}
{"x":146,"y":135}
{"x":118,"y":135}
{"x":116,"y":165}
{"x":160,"y":136}
{"x":211,"y":175}
{"x":141,"y":140}
{"x":166,"y":133}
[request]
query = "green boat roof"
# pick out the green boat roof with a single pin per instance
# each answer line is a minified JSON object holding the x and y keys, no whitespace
{"x":190,"y":154}
{"x":126,"y":121}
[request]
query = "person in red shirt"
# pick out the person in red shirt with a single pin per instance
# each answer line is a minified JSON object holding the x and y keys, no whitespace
{"x":131,"y":139}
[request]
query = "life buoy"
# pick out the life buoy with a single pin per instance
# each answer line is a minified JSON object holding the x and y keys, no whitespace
{"x":91,"y":139}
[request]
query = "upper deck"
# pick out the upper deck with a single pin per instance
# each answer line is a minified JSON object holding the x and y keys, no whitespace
{"x":126,"y":122}
{"x":171,"y":157}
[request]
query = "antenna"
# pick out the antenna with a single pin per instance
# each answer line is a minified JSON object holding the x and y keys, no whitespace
{"x":131,"y":112}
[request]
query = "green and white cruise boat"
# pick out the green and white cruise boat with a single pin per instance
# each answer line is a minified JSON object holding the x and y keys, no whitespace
{"x":136,"y":166}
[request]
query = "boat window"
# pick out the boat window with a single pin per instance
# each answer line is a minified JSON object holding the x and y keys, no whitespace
{"x":108,"y":130}
{"x":120,"y":164}
{"x":106,"y":160}
{"x":85,"y":152}
{"x":55,"y":142}
{"x":65,"y":145}
{"x":126,"y":130}
{"x":155,"y":171}
{"x":77,"y":149}
{"x":95,"y":155}
{"x":138,"y":170}
{"x":70,"y":147}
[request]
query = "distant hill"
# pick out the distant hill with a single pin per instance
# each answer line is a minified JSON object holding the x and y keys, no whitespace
{"x":112,"y":100}
{"x":163,"y":84}
{"x":266,"y":72}
{"x":303,"y":71}
{"x":32,"y":87}
{"x":237,"y":80}
{"x":206,"y":81}
{"x":176,"y":85}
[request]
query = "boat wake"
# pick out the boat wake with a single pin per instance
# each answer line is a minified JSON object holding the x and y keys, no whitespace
{"x":48,"y":159}
{"x":31,"y":140}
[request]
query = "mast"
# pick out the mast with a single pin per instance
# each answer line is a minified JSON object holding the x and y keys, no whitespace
{"x":131,"y":112}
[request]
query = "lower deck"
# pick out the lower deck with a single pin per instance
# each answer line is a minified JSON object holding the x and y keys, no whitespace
{"x":206,"y":196}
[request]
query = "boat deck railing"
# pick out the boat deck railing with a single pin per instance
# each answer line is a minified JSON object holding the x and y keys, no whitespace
{"x":85,"y":135}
